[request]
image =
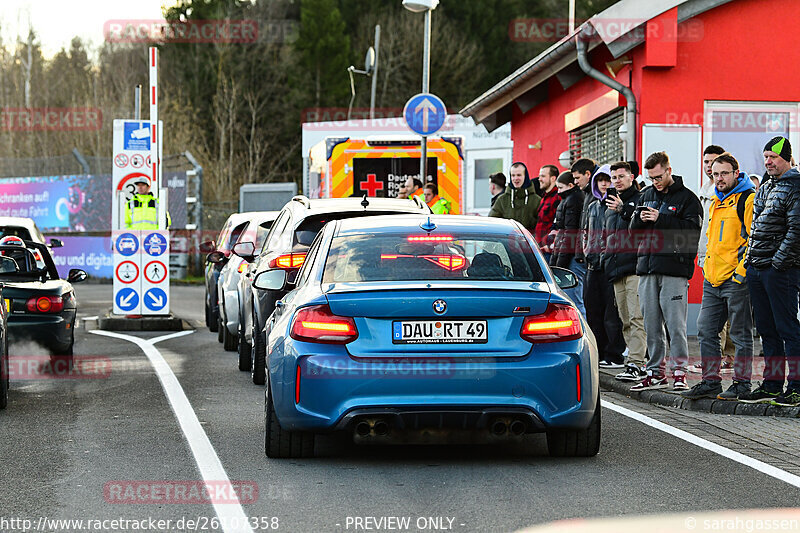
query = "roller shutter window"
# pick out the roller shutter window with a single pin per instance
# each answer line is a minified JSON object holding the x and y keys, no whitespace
{"x":599,"y":140}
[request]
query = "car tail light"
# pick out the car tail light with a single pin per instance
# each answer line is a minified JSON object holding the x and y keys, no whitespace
{"x":288,"y":261}
{"x":242,"y":267}
{"x":37,"y":255}
{"x":45,"y":304}
{"x":318,"y":324}
{"x":560,"y":322}
{"x":578,"y":380}
{"x":431,"y":238}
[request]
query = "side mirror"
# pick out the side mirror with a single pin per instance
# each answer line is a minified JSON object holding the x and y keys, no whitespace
{"x":207,"y":247}
{"x":56,"y":243}
{"x":76,"y":275}
{"x":216,"y":257}
{"x":245,"y":250}
{"x":270,"y":280}
{"x":8,"y":265}
{"x":565,"y":279}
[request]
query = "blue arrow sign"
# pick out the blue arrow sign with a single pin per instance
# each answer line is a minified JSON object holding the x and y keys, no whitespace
{"x":127,"y":244}
{"x":155,"y":299}
{"x":154,"y":244}
{"x":425,"y":113}
{"x":127,"y":299}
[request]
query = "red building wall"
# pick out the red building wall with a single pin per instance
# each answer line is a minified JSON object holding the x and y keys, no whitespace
{"x":747,"y":50}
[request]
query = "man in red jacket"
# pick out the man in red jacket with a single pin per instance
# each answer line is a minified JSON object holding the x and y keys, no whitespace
{"x":547,"y":208}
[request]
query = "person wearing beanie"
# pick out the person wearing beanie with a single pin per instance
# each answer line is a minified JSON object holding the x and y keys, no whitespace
{"x":519,"y":202}
{"x":598,"y":293}
{"x":566,"y":233}
{"x":773,"y":275}
{"x":497,"y":185}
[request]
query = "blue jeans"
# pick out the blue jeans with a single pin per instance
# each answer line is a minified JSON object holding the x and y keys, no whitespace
{"x":774,"y":296}
{"x":728,"y":302}
{"x":576,"y":293}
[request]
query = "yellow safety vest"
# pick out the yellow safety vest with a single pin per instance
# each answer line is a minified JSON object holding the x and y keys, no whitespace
{"x":141,"y":212}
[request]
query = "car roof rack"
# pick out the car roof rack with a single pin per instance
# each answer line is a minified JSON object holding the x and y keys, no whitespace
{"x":303,"y":200}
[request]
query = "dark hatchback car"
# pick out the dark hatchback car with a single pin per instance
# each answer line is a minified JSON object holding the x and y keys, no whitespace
{"x":285,"y":249}
{"x":41,"y":306}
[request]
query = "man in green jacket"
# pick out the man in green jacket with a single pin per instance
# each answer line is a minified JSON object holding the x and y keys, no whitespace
{"x":520,"y":201}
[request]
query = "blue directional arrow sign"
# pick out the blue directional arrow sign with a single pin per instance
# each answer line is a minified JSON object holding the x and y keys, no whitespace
{"x":155,"y":299}
{"x":154,"y":244}
{"x":127,"y":299}
{"x":425,"y":113}
{"x":127,"y":244}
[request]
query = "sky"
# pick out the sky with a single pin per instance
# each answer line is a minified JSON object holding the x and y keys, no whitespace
{"x":56,"y":22}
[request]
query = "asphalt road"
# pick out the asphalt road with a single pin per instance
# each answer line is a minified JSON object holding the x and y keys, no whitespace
{"x":66,"y":443}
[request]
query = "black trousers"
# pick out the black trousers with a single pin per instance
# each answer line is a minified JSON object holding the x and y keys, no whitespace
{"x":602,"y":316}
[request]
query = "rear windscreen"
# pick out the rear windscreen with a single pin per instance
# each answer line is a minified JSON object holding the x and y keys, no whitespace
{"x":310,"y":226}
{"x":403,"y":257}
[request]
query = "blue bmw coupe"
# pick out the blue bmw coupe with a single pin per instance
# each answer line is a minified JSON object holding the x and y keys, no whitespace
{"x":404,"y":324}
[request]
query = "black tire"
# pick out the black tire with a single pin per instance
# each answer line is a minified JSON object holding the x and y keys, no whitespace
{"x":208,"y":317}
{"x":229,"y":342}
{"x":576,"y":443}
{"x":259,"y":367}
{"x":280,"y":443}
{"x":69,"y":348}
{"x":4,"y":379}
{"x":245,"y":357}
{"x":220,"y":329}
{"x":214,"y":316}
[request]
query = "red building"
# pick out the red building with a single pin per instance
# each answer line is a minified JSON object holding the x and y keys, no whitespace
{"x":700,"y":72}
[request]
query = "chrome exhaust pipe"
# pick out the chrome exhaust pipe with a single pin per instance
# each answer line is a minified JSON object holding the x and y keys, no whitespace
{"x":517,"y":427}
{"x":363,"y":429}
{"x":498,"y":428}
{"x":381,"y":428}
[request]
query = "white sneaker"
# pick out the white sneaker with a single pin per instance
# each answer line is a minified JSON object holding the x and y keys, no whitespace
{"x":696,"y":368}
{"x":609,"y":364}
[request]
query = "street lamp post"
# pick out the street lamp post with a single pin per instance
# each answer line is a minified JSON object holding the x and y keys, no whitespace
{"x":418,"y":6}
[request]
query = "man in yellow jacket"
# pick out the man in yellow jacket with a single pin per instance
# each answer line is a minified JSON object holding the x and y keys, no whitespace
{"x":725,"y":292}
{"x":141,"y":211}
{"x":439,"y":205}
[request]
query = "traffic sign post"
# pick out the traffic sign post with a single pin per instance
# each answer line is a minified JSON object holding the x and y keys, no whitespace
{"x":424,"y":114}
{"x":141,"y":274}
{"x":127,"y":268}
{"x":155,"y":273}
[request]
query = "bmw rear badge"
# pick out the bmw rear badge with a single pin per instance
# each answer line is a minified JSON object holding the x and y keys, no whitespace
{"x":439,"y":307}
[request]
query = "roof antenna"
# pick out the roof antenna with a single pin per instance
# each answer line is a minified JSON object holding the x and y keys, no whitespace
{"x":428,"y":225}
{"x":365,"y":202}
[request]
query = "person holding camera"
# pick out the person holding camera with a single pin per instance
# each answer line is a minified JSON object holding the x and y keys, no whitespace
{"x":670,"y":215}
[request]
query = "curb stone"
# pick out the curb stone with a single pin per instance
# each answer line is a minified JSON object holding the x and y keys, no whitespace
{"x":706,"y":405}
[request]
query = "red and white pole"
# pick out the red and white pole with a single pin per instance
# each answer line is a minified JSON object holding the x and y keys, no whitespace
{"x":154,"y":136}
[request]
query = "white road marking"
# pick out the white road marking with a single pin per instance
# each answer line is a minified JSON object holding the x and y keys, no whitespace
{"x":740,"y":458}
{"x":231,"y":515}
{"x":90,"y":318}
